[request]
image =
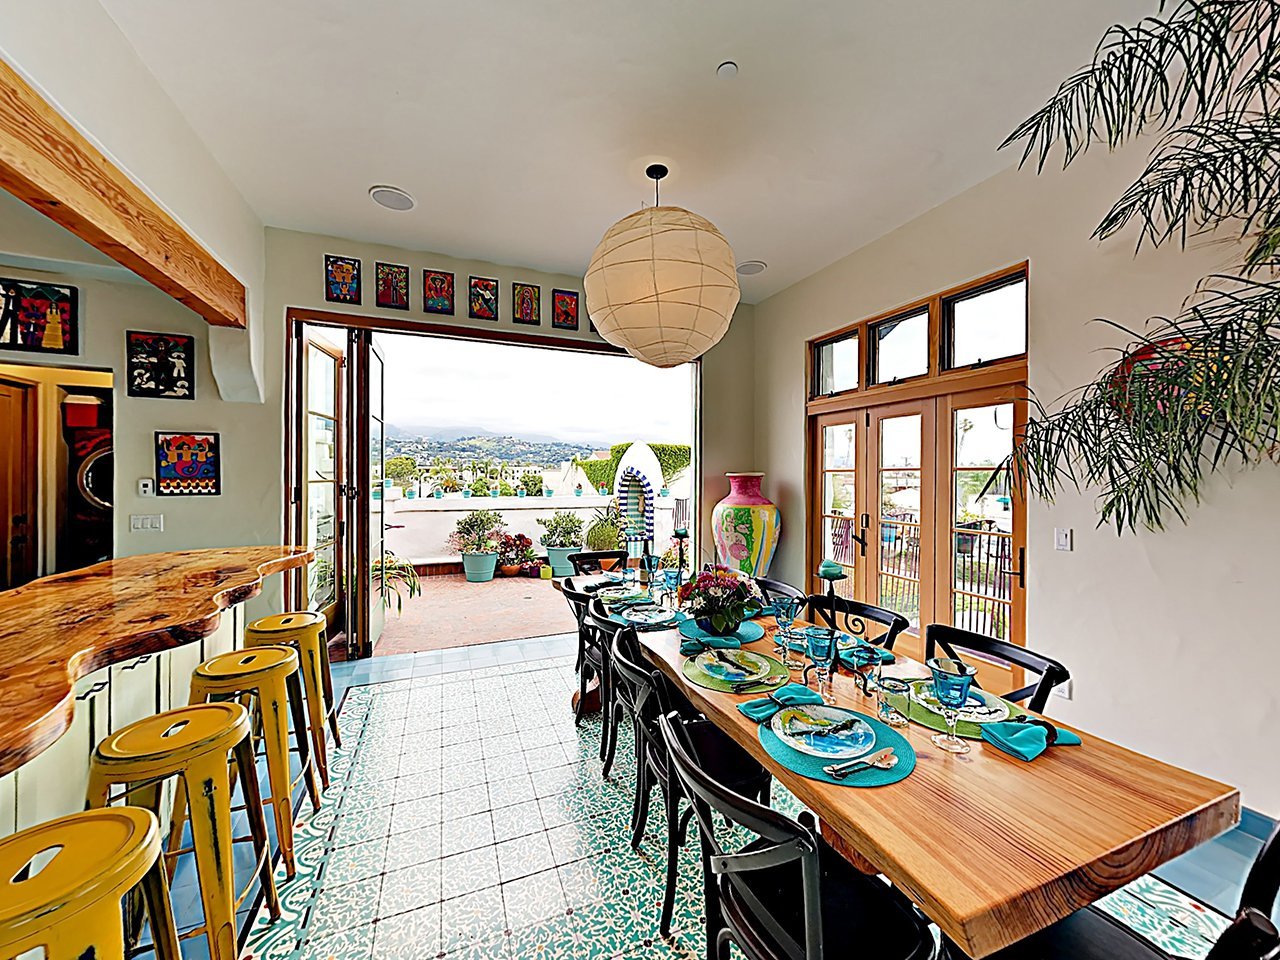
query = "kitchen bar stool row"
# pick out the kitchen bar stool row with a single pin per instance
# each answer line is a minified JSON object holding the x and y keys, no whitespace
{"x":62,"y":883}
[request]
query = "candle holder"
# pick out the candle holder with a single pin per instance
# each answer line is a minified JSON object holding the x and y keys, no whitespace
{"x":831,"y":572}
{"x":681,"y":535}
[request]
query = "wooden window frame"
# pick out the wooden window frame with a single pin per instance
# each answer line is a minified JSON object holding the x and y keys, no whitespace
{"x":873,"y":347}
{"x":946,"y":316}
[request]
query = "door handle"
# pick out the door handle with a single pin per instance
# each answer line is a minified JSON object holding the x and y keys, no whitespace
{"x":1021,"y":572}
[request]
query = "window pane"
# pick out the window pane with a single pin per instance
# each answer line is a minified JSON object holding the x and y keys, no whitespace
{"x":990,"y":325}
{"x":838,"y":366}
{"x":983,"y":438}
{"x":321,"y":369}
{"x":321,"y":447}
{"x":900,"y":441}
{"x":902,"y":347}
{"x":839,"y":494}
{"x":320,"y":515}
{"x":838,"y":447}
{"x":838,"y":545}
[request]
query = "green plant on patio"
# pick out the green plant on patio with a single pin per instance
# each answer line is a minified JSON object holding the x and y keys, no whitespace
{"x":606,"y":528}
{"x":479,"y":487}
{"x":391,"y":574}
{"x":563,"y":537}
{"x":505,"y":489}
{"x":532,"y":483}
{"x":401,"y":470}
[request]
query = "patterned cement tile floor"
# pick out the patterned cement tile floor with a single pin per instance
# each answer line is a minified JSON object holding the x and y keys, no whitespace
{"x":468,"y":819}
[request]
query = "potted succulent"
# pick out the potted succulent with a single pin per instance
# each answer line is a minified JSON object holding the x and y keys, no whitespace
{"x":577,"y":491}
{"x":533,"y":568}
{"x":605,"y":531}
{"x":604,"y":491}
{"x":514,"y":551}
{"x":719,"y":600}
{"x":466,"y":492}
{"x":563,"y":537}
{"x":477,"y":537}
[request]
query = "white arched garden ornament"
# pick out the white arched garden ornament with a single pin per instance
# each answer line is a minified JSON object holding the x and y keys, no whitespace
{"x":662,"y":284}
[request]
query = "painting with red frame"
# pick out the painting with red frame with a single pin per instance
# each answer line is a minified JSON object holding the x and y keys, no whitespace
{"x":391,"y":286}
{"x":437,"y":292}
{"x":526,"y":303}
{"x":188,"y":464}
{"x":482,"y":298}
{"x":564,"y":309}
{"x":39,"y":317}
{"x":341,"y":279}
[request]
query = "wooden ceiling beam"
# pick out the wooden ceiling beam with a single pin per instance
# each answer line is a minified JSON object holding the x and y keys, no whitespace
{"x":49,"y":164}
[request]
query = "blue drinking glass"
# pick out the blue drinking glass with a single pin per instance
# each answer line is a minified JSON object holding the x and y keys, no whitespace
{"x":821,"y":647}
{"x":952,"y":680}
{"x":785,"y":611}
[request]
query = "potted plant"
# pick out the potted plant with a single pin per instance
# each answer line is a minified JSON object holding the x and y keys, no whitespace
{"x":533,"y":568}
{"x":577,"y":491}
{"x":719,"y":600}
{"x":477,"y":536}
{"x":604,"y":491}
{"x":396,"y":572}
{"x":605,"y":531}
{"x":514,"y":551}
{"x":437,"y":493}
{"x":563,"y":537}
{"x":546,"y":491}
{"x":479,"y":488}
{"x":531,"y":483}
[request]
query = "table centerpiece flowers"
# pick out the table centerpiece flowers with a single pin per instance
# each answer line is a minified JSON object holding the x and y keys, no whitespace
{"x":719,"y":600}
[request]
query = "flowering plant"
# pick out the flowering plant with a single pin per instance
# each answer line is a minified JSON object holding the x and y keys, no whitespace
{"x":479,"y":531}
{"x":515,"y":548}
{"x":720,"y":599}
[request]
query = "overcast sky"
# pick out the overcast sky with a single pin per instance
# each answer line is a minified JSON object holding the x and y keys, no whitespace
{"x":578,"y":397}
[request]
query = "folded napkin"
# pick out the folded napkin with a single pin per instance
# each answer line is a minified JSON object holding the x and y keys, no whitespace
{"x":792,"y":695}
{"x":691,"y":647}
{"x":849,"y":657}
{"x":1026,"y":741}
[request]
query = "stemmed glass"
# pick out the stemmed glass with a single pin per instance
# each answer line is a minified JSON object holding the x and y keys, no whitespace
{"x":951,"y":682}
{"x":892,"y":686}
{"x":785,"y":611}
{"x":822,"y":646}
{"x":651,"y":564}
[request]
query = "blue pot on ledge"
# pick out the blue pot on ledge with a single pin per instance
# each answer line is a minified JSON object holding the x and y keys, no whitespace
{"x":479,"y":567}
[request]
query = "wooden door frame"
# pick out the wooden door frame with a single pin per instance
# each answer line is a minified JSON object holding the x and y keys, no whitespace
{"x":30,"y":493}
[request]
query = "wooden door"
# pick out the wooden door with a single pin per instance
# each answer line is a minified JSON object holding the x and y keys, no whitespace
{"x":17,"y":483}
{"x":841,"y":518}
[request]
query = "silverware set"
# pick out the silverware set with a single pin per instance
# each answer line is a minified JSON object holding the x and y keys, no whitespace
{"x":884,"y":759}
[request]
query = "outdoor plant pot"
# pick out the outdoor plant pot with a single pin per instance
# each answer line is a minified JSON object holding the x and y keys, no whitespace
{"x":510,"y":569}
{"x":521,"y":492}
{"x":438,"y":494}
{"x":604,"y":491}
{"x":479,"y":567}
{"x":664,"y":492}
{"x":559,"y":558}
{"x":546,"y":492}
{"x":466,"y":493}
{"x":410,"y":493}
{"x":577,"y":492}
{"x":546,"y":574}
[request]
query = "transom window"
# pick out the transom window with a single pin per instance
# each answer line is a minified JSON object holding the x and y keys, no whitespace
{"x":987,"y":324}
{"x":836,"y":365}
{"x":902,"y":347}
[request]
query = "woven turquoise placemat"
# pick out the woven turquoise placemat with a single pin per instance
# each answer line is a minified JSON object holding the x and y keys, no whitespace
{"x":811,"y":767}
{"x":933,"y":720}
{"x":747,"y":632}
{"x":694,"y":674}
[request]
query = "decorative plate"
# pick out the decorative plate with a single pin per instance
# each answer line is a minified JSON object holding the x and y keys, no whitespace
{"x":732,"y":666}
{"x":649,"y":616}
{"x":802,"y":729}
{"x":982,"y":707}
{"x":619,"y":592}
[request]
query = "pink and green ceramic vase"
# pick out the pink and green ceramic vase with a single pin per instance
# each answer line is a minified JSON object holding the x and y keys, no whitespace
{"x":746,"y":525}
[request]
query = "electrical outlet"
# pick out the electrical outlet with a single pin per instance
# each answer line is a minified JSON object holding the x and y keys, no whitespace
{"x":1063,"y":539}
{"x":1065,"y":690}
{"x":146,"y":522}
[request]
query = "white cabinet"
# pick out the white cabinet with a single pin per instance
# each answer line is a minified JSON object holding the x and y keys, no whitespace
{"x":135,"y":691}
{"x":8,"y":804}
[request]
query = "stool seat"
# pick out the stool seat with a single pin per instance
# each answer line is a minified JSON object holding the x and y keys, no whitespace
{"x":287,"y":624}
{"x":159,"y":745}
{"x":238,"y":666}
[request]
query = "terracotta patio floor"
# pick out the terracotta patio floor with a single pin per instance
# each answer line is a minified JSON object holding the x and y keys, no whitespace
{"x":453,"y":613}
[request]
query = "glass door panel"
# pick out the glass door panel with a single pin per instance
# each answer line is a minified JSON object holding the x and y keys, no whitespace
{"x":900,"y":474}
{"x":320,"y":488}
{"x":843,"y":534}
{"x":365,"y":455}
{"x":377,"y":516}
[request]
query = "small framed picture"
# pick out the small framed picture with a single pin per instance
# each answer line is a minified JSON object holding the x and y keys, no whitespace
{"x":391,"y":285}
{"x":37,"y":317}
{"x":341,"y":279}
{"x":188,"y":465}
{"x":437,"y":292}
{"x":160,"y":365}
{"x":564,"y":309}
{"x":526,"y":303}
{"x":482,"y":298}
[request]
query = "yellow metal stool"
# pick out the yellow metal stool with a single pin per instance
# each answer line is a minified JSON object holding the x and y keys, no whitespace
{"x":305,"y":632}
{"x":61,"y":884}
{"x":194,"y":744}
{"x":266,"y":679}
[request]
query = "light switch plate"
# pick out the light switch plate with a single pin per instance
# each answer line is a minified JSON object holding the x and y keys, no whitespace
{"x":1063,"y":539}
{"x":146,"y":522}
{"x":1064,"y":690}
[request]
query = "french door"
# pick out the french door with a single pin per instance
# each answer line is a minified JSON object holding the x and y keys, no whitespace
{"x":366,"y":454}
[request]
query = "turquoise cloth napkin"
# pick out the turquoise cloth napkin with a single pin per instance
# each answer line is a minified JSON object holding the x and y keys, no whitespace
{"x":792,"y":695}
{"x":1026,"y":741}
{"x":849,"y":657}
{"x":692,"y":647}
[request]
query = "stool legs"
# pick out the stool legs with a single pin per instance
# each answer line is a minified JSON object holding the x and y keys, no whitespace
{"x":273,"y":708}
{"x":299,"y":710}
{"x":313,"y":680}
{"x":247,"y":767}
{"x":155,"y":894}
{"x":326,"y":676}
{"x":208,"y":785}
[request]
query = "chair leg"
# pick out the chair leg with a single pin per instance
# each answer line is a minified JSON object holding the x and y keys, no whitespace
{"x":298,"y":712}
{"x":671,"y":800}
{"x":723,"y":941}
{"x":584,"y":680}
{"x":640,"y":809}
{"x":615,"y":713}
{"x":246,"y":763}
{"x":209,"y":789}
{"x":606,"y":713}
{"x":155,"y":893}
{"x":273,"y":708}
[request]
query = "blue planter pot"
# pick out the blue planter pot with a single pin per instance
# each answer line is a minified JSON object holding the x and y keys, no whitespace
{"x":559,"y":559}
{"x":705,"y":625}
{"x":438,"y":494}
{"x":479,"y":567}
{"x":578,"y":492}
{"x":521,"y":492}
{"x":466,"y":493}
{"x":410,"y":494}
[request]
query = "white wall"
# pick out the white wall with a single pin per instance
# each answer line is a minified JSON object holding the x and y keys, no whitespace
{"x":1170,"y":636}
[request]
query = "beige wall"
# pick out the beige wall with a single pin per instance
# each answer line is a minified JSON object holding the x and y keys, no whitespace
{"x":1170,"y":636}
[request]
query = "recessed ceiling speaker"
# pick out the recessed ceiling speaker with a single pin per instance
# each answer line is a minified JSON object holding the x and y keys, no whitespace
{"x":749,"y":268}
{"x":393,"y":198}
{"x":727,"y":70}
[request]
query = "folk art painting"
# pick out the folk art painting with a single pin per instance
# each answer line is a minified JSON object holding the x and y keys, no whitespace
{"x":564,"y":309}
{"x":188,"y":464}
{"x":526,"y":303}
{"x":391,"y":286}
{"x":39,"y":317}
{"x":341,"y":279}
{"x":160,"y":365}
{"x":437,"y":292}
{"x":482,"y":299}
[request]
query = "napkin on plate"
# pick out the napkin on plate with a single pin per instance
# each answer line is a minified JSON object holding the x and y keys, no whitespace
{"x":691,"y":647}
{"x":849,"y":656}
{"x":1026,"y":741}
{"x":792,"y":695}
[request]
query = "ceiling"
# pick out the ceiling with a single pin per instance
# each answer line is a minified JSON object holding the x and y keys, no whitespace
{"x":523,"y":128}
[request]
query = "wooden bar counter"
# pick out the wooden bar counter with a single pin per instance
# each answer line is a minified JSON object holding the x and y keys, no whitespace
{"x":87,"y":649}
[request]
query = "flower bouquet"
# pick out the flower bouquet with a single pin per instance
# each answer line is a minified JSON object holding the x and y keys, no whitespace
{"x":719,"y":600}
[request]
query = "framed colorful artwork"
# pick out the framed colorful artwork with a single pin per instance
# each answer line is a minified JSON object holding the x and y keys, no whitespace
{"x":437,"y":292}
{"x":39,"y":317}
{"x":160,"y":365}
{"x":526,"y":303}
{"x":341,"y":279}
{"x":188,"y":465}
{"x":564,"y":309}
{"x":482,"y":299}
{"x":391,"y":285}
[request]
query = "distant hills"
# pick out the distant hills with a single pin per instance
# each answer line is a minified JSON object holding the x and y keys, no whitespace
{"x":448,"y":432}
{"x":464,"y":444}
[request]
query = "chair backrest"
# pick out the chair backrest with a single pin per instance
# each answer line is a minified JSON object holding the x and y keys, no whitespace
{"x":851,"y":616}
{"x":778,"y":588}
{"x":785,"y":840}
{"x":642,"y":684}
{"x":590,"y":561}
{"x":1262,"y":885}
{"x":951,"y":639}
{"x":1251,"y":936}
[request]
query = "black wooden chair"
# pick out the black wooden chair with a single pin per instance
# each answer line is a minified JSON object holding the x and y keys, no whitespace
{"x":593,"y":662}
{"x":613,"y":709}
{"x":953,"y":639}
{"x":592,"y":561}
{"x":1090,"y":934}
{"x":786,"y":895}
{"x":777,"y":588}
{"x":647,"y":695}
{"x":851,"y":617}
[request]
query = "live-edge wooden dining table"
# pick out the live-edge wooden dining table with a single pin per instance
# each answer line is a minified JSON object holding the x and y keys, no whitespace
{"x":991,"y":848}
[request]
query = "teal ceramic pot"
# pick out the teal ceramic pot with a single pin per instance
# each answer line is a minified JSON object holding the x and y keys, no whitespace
{"x":466,"y":493}
{"x":546,"y":492}
{"x":410,"y":493}
{"x":578,"y":492}
{"x":479,"y":567}
{"x":438,"y":494}
{"x":522,"y":492}
{"x":559,"y":558}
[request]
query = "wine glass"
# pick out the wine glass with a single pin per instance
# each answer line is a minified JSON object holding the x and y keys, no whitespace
{"x":822,"y":645}
{"x":785,"y":611}
{"x":951,"y":682}
{"x":892,"y":686}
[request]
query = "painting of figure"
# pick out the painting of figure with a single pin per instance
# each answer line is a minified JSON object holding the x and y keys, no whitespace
{"x":39,"y":317}
{"x":437,"y":292}
{"x":482,"y":299}
{"x":341,"y":279}
{"x":564,"y":309}
{"x":160,"y":365}
{"x":391,"y":283}
{"x":526,"y":303}
{"x":188,"y":465}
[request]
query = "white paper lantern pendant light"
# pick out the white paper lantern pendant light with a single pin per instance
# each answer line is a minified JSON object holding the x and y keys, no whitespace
{"x":662,"y":283}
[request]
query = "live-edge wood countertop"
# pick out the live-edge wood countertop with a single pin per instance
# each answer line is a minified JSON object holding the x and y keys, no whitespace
{"x":55,"y":630}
